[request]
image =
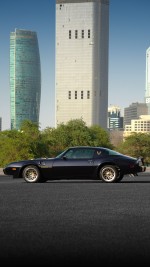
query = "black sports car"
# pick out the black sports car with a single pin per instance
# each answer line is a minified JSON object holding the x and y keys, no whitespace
{"x":75,"y":163}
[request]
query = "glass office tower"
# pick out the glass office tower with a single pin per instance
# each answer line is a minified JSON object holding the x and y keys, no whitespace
{"x":82,"y":38}
{"x":25,"y":77}
{"x":147,"y":91}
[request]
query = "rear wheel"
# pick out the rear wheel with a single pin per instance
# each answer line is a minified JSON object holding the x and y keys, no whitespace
{"x":31,"y":174}
{"x":109,"y":174}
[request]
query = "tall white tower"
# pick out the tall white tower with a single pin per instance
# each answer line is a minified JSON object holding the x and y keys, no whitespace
{"x":82,"y":37}
{"x":147,"y":91}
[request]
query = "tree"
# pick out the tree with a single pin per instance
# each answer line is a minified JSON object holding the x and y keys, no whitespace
{"x":100,"y":137}
{"x":75,"y":133}
{"x":25,"y":143}
{"x":137,"y":145}
{"x":13,"y":147}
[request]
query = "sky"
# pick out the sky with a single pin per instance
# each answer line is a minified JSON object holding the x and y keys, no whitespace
{"x":129,"y":38}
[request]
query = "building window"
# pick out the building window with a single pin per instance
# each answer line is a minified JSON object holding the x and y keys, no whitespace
{"x":82,"y":33}
{"x":75,"y":94}
{"x":89,"y":34}
{"x":69,"y":34}
{"x":76,"y":34}
{"x":69,"y":94}
{"x":81,"y":94}
{"x":88,"y":94}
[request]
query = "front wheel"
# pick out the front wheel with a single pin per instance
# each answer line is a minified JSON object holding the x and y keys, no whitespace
{"x":31,"y":174}
{"x":109,"y":174}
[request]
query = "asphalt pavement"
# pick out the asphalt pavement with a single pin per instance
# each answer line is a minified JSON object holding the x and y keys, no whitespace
{"x":75,"y":223}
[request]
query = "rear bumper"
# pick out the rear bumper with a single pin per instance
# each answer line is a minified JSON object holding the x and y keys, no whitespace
{"x":138,"y":169}
{"x":141,"y":169}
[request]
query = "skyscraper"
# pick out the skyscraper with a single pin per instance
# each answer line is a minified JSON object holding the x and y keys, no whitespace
{"x":82,"y":37}
{"x":25,"y":77}
{"x":147,"y":89}
{"x":134,"y":111}
{"x":115,"y":121}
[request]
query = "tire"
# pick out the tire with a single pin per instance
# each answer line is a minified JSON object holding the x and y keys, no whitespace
{"x":109,"y":174}
{"x":31,"y":174}
{"x":120,"y":177}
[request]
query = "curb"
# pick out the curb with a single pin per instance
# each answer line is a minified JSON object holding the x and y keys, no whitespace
{"x":1,"y":171}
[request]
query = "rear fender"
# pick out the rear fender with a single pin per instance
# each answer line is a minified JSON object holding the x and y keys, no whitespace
{"x":107,"y":163}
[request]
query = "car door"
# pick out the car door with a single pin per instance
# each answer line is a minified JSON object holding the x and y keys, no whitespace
{"x":76,"y":163}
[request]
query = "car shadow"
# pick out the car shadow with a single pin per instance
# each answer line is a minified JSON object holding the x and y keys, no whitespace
{"x":97,"y":181}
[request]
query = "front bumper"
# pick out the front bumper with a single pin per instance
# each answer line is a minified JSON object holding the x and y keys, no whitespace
{"x":13,"y":171}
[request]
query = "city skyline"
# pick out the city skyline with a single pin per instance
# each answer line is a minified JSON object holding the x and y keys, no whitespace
{"x":129,"y":38}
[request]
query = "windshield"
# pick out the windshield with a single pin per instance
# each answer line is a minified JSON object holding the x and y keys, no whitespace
{"x":61,"y":154}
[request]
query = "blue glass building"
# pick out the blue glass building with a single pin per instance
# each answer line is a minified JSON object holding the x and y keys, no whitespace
{"x":25,"y":77}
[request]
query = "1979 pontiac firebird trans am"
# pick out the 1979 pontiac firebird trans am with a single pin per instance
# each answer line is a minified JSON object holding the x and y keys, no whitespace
{"x":82,"y":162}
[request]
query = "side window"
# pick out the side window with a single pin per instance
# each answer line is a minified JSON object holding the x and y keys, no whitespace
{"x":84,"y":153}
{"x":100,"y":153}
{"x":80,"y":153}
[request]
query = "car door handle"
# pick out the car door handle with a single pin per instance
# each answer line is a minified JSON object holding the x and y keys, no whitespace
{"x":90,"y":161}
